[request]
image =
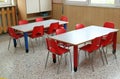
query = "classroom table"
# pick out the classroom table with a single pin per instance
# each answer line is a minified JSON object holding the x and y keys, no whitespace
{"x":77,"y":37}
{"x":29,"y":27}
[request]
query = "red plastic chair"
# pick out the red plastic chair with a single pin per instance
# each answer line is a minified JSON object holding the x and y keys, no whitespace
{"x":106,"y":42}
{"x":53,"y":27}
{"x":79,"y":26}
{"x":61,"y":27}
{"x":21,"y":22}
{"x":39,"y":19}
{"x":61,"y":31}
{"x":13,"y":35}
{"x":90,"y":48}
{"x":109,"y":40}
{"x":38,"y":31}
{"x":64,"y":18}
{"x":57,"y":50}
{"x":109,"y":25}
{"x":107,"y":37}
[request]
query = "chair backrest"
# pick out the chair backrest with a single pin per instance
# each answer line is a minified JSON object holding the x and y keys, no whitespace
{"x":60,"y":31}
{"x":21,"y":22}
{"x":79,"y":26}
{"x":12,"y":33}
{"x":53,"y":27}
{"x":52,"y":45}
{"x":64,"y":18}
{"x":61,"y":27}
{"x":38,"y":31}
{"x":39,"y":19}
{"x":109,"y":37}
{"x":47,"y":43}
{"x":96,"y":41}
{"x":109,"y":25}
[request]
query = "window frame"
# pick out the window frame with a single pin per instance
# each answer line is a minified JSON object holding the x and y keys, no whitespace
{"x":88,"y":3}
{"x":6,"y":2}
{"x":76,"y":2}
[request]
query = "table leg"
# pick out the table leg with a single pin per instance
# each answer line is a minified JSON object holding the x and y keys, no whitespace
{"x":114,"y":42}
{"x":26,"y":42}
{"x":54,"y":58}
{"x":15,"y":43}
{"x":75,"y":57}
{"x":65,"y":26}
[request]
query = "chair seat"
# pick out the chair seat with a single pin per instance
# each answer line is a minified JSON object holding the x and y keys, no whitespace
{"x":19,"y":35}
{"x":67,"y":45}
{"x":64,"y":44}
{"x":105,"y":43}
{"x":19,"y":32}
{"x":60,"y":51}
{"x":35,"y":36}
{"x":89,"y":48}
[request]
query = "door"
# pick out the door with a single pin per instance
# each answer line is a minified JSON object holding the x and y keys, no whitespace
{"x":45,"y":5}
{"x":32,"y":6}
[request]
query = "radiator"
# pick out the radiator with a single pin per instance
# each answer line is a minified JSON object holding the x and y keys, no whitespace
{"x":7,"y":18}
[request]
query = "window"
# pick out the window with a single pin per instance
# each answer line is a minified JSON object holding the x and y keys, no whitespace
{"x":5,"y":2}
{"x":1,"y":0}
{"x":94,"y":2}
{"x":108,"y":2}
{"x":76,"y":2}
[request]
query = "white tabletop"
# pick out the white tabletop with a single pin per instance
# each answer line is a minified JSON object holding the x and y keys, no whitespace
{"x":77,"y":37}
{"x":30,"y":26}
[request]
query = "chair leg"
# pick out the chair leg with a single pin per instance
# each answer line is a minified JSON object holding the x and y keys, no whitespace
{"x":91,"y":62}
{"x":85,"y":54}
{"x":65,"y":59}
{"x":20,"y":43}
{"x":32,"y":45}
{"x":105,"y":55}
{"x":101,"y":56}
{"x":106,"y":50}
{"x":15,"y":50}
{"x":46,"y":60}
{"x":9,"y":43}
{"x":71,"y":60}
{"x":43,"y":39}
{"x":40,"y":41}
{"x":115,"y":55}
{"x":59,"y":64}
{"x":36,"y":41}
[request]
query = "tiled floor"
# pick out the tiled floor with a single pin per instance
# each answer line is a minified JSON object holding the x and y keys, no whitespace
{"x":20,"y":65}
